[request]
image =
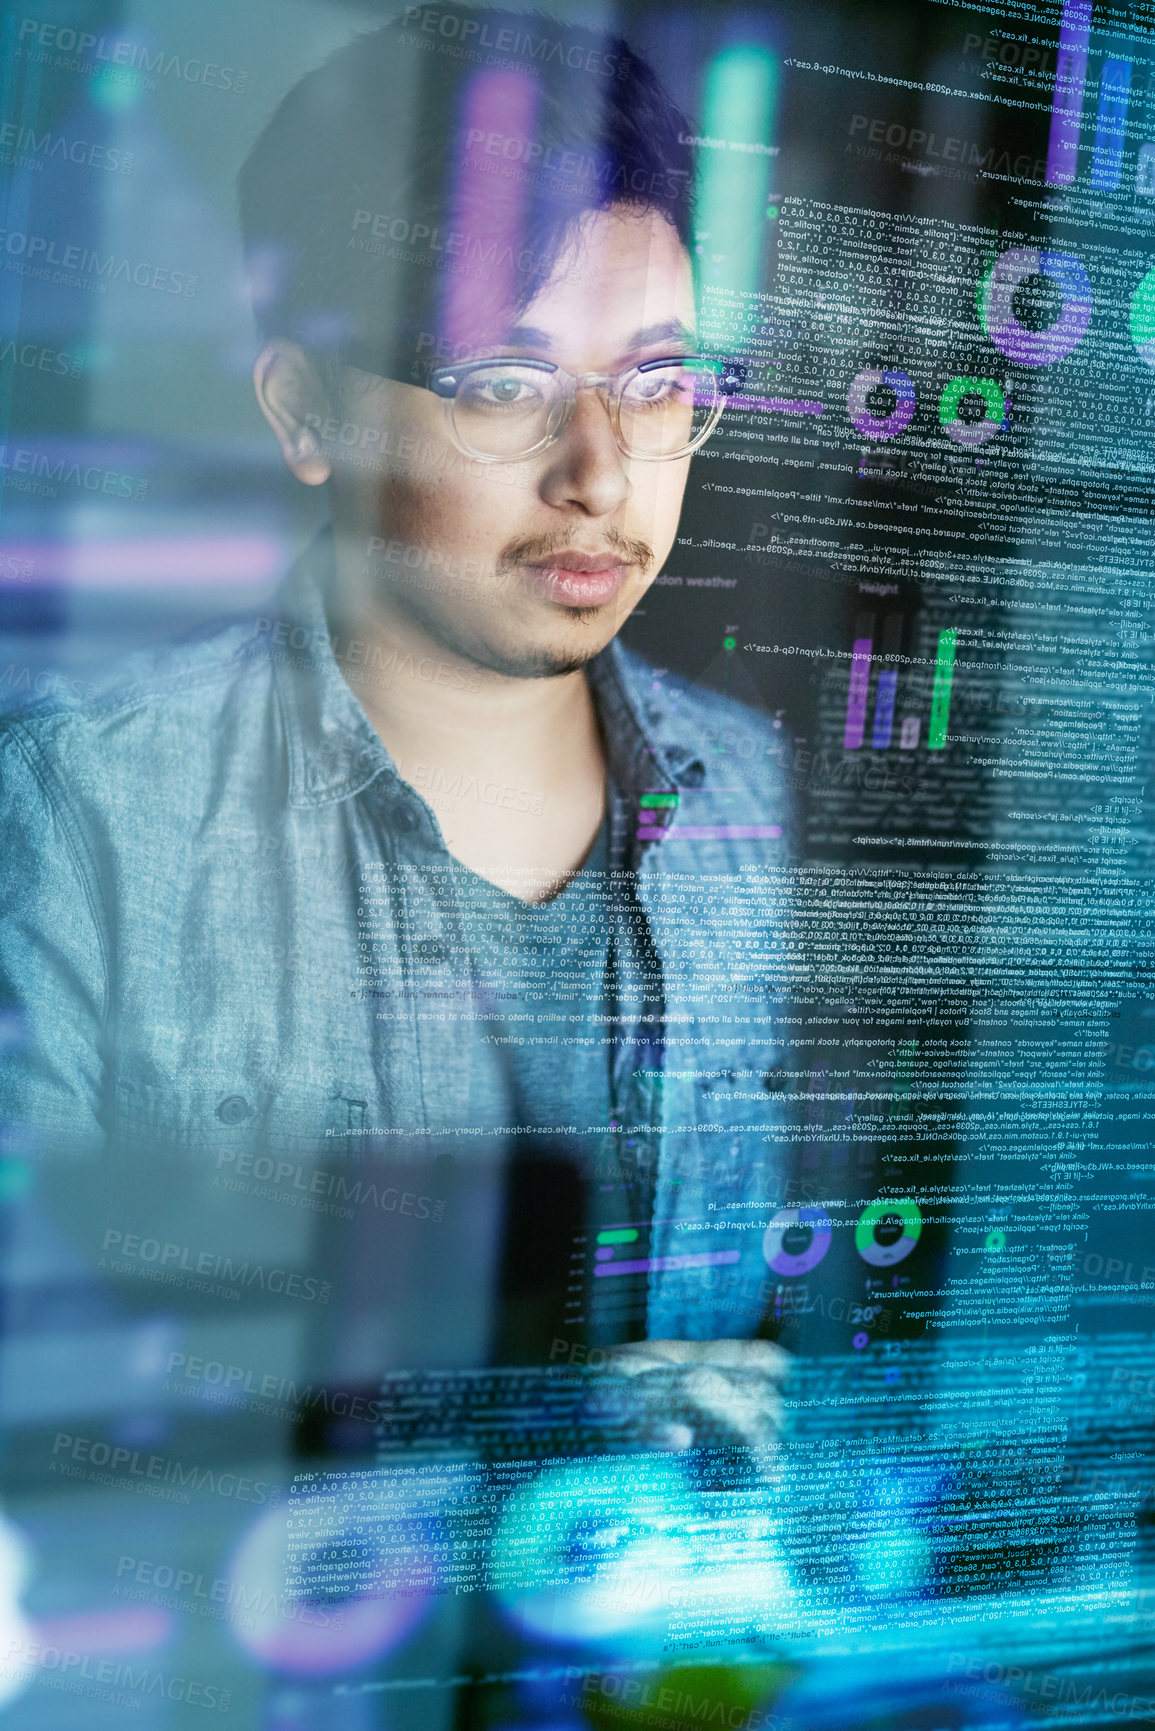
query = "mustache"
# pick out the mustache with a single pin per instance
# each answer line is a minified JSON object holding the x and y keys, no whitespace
{"x":539,"y":549}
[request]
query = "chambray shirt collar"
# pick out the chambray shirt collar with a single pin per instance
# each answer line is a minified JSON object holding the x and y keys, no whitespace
{"x":334,"y":751}
{"x":646,"y":750}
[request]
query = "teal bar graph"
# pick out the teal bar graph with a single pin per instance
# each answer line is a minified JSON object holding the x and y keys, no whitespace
{"x":733,"y":175}
{"x":940,"y":696}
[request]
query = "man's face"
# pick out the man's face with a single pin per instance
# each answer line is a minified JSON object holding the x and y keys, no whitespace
{"x":536,"y":563}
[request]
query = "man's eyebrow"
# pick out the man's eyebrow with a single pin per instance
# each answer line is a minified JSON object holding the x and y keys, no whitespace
{"x":669,"y":331}
{"x":528,"y":337}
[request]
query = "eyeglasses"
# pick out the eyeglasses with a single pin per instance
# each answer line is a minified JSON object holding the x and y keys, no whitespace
{"x":506,"y":408}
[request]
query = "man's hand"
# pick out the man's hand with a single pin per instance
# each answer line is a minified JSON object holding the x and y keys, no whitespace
{"x":701,"y":1386}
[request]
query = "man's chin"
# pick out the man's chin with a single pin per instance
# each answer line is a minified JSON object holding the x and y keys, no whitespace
{"x":547,"y":652}
{"x":529,"y":647}
{"x":536,"y":661}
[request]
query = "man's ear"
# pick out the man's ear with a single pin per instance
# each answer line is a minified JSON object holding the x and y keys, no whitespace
{"x":292,"y":400}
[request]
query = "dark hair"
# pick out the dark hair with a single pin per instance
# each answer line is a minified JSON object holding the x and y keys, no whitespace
{"x":367,"y":195}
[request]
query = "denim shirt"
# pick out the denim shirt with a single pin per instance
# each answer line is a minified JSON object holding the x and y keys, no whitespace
{"x":215,"y":877}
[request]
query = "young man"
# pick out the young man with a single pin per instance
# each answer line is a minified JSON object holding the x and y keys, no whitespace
{"x":508,"y":958}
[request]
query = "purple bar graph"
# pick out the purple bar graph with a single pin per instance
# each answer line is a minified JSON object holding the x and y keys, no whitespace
{"x":1111,"y":130}
{"x":1070,"y":83}
{"x":488,"y":212}
{"x":779,"y":405}
{"x":714,"y":832}
{"x":659,"y":1264}
{"x":884,"y":711}
{"x":856,"y":697}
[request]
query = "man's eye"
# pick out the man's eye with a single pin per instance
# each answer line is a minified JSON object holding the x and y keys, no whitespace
{"x":655,"y":390}
{"x":651,"y":390}
{"x":501,"y":390}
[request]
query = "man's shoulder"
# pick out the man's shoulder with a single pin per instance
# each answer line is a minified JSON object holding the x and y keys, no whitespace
{"x":142,"y":715}
{"x":682,"y":712}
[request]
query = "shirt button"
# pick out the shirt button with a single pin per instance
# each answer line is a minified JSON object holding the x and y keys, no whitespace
{"x":405,"y":818}
{"x":234,"y":1109}
{"x":432,"y":951}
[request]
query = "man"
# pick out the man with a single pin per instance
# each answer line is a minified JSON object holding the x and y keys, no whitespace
{"x":510,"y":962}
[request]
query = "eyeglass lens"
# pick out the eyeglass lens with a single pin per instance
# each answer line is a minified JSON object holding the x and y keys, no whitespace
{"x":505,"y":410}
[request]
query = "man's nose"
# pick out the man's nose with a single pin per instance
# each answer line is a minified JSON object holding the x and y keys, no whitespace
{"x":585,"y":467}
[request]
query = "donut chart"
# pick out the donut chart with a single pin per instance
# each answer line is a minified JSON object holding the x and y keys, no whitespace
{"x":579,"y":1547}
{"x":1142,"y":319}
{"x":971,"y":433}
{"x":873,"y":426}
{"x":887,"y":1232}
{"x":305,"y":1637}
{"x":796,"y":1240}
{"x":997,"y":292}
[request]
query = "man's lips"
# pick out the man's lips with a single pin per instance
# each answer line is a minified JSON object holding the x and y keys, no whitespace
{"x":576,"y":579}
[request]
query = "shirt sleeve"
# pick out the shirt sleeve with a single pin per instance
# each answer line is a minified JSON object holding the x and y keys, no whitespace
{"x":52,"y":968}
